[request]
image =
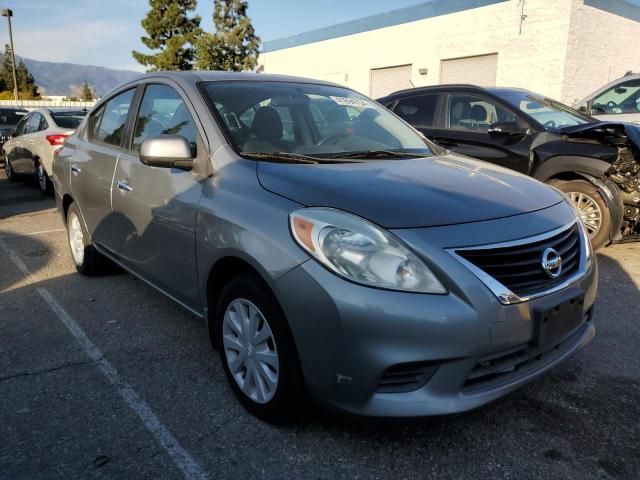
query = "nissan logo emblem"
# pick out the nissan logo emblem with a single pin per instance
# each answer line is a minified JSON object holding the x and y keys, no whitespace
{"x":551,"y":262}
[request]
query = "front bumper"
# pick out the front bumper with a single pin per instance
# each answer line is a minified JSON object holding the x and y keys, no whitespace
{"x":348,"y":336}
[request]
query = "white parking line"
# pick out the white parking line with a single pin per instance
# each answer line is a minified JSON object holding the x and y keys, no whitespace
{"x":41,"y":232}
{"x":182,"y":459}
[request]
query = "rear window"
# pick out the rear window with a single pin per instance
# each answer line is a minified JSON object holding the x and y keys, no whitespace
{"x":11,"y":117}
{"x":68,"y":119}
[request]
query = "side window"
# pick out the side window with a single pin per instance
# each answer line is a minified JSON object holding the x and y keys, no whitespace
{"x":114,"y":118}
{"x":470,"y":112}
{"x":163,"y":112}
{"x":94,"y":123}
{"x":419,"y":111}
{"x":43,"y":124}
{"x":623,"y":98}
{"x":21,"y":128}
{"x":34,"y":123}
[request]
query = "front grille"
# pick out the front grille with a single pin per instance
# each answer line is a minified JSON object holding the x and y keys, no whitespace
{"x":406,"y":377}
{"x":506,"y":365}
{"x":519,"y":267}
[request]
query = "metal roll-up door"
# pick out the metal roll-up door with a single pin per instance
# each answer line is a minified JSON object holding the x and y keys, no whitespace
{"x":480,"y":70}
{"x":388,"y":80}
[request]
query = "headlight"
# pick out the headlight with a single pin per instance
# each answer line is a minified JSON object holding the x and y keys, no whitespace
{"x":361,"y":251}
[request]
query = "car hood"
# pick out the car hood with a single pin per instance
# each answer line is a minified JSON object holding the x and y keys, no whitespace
{"x":434,"y":191}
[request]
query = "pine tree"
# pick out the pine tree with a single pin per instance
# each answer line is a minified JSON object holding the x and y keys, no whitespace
{"x":86,"y":92}
{"x":27,"y":87}
{"x":234,"y":46}
{"x":170,"y":32}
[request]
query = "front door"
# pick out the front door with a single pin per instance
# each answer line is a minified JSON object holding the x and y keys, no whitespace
{"x":157,"y":207}
{"x":466,"y":130}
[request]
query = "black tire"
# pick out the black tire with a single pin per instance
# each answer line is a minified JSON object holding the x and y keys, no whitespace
{"x":601,"y":236}
{"x":8,"y":170}
{"x":44,"y":182}
{"x":289,"y":399}
{"x":92,"y":262}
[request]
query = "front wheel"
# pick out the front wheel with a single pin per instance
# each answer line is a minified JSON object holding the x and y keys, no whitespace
{"x":257,"y":350}
{"x":592,"y":209}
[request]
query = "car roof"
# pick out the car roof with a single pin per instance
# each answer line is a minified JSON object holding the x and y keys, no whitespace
{"x":453,"y":87}
{"x":194,"y":76}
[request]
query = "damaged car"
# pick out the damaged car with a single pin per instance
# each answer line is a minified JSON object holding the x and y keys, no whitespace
{"x":594,"y":163}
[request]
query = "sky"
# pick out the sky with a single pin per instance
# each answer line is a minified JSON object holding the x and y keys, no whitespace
{"x":103,"y":32}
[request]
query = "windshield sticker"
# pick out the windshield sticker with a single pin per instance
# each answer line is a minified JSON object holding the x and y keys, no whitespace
{"x":350,"y":102}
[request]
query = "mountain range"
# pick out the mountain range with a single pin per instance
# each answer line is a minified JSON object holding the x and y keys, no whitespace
{"x":57,"y":78}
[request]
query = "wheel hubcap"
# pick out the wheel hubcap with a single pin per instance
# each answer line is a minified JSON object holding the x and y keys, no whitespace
{"x":42,"y":178}
{"x":76,"y":239}
{"x":589,"y":211}
{"x":250,"y":350}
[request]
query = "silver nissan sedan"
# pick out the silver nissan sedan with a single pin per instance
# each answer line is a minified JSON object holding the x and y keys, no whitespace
{"x":332,"y":250}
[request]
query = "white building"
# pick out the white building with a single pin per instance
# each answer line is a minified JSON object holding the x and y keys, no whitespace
{"x":560,"y":48}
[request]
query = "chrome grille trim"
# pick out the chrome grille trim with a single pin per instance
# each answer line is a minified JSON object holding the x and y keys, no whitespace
{"x":504,"y":294}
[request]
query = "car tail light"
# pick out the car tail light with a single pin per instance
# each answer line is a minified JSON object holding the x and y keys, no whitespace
{"x":57,"y":139}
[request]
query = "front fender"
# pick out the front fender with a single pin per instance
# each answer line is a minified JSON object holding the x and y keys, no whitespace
{"x":555,"y":166}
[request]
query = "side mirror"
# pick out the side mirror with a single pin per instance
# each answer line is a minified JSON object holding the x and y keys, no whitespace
{"x":506,"y":128}
{"x":167,"y":151}
{"x":582,"y":109}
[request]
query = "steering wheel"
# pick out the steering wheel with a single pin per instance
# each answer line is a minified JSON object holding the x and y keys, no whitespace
{"x":549,"y":124}
{"x":332,"y":140}
{"x":611,"y":104}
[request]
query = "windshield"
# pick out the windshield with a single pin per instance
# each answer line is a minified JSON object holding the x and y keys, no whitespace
{"x":11,"y":117}
{"x":550,"y":114}
{"x":68,"y":119}
{"x":316,"y":121}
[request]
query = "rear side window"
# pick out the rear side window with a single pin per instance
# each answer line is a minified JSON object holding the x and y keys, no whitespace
{"x":34,"y":123}
{"x":114,"y":118}
{"x":163,"y":112}
{"x":68,"y":119}
{"x":419,"y":111}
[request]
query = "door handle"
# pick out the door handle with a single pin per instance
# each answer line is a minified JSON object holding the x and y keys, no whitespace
{"x":76,"y":169}
{"x":123,"y":185}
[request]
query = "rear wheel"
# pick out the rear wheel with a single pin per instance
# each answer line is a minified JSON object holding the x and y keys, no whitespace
{"x":8,"y":170}
{"x":87,"y":259}
{"x":591,"y":207}
{"x":257,"y":350}
{"x":44,"y":182}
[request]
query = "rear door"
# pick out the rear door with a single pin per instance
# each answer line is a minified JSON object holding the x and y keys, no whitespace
{"x":466,"y":124}
{"x":155,"y":208}
{"x":93,"y":165}
{"x":420,"y":111}
{"x":13,"y":147}
{"x":23,"y":161}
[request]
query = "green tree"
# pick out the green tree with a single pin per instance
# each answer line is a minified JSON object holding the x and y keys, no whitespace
{"x":234,"y":46}
{"x":171,"y":33}
{"x":87,"y":92}
{"x":27,"y":88}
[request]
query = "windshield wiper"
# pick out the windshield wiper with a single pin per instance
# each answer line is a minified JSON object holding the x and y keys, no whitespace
{"x":282,"y":157}
{"x":379,"y":154}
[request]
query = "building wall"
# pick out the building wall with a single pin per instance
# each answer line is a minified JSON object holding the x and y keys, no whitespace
{"x":566,"y":49}
{"x":602,"y":46}
{"x":532,"y":59}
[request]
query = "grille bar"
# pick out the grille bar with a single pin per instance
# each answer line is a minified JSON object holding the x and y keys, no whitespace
{"x":514,"y":270}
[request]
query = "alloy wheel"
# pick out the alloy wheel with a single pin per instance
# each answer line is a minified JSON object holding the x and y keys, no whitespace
{"x":250,"y":350}
{"x":588,"y":210}
{"x":76,"y":239}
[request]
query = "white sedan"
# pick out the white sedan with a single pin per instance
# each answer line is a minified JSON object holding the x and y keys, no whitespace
{"x":39,"y":134}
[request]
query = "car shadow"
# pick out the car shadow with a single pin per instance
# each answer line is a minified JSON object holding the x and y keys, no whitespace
{"x":21,"y":197}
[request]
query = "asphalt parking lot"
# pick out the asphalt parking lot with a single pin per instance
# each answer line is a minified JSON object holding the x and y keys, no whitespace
{"x":151,"y":401}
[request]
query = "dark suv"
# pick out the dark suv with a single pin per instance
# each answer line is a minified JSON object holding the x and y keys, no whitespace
{"x":592,"y":162}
